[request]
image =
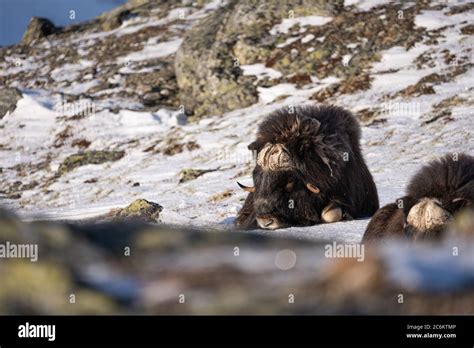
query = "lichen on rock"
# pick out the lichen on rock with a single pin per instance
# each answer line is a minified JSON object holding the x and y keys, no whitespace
{"x":141,"y":209}
{"x":208,"y":62}
{"x":88,"y":157}
{"x":189,"y":174}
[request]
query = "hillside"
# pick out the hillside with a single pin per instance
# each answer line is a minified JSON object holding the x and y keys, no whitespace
{"x":159,"y":100}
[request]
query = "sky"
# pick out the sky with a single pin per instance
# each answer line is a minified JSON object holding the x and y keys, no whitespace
{"x":15,"y":14}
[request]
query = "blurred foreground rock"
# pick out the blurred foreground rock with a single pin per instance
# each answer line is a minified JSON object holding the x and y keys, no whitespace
{"x":134,"y":268}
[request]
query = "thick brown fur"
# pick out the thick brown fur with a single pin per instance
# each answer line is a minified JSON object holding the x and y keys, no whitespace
{"x":449,"y":180}
{"x":323,"y":143}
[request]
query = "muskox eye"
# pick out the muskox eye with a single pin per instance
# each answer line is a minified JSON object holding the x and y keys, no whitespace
{"x":290,"y":185}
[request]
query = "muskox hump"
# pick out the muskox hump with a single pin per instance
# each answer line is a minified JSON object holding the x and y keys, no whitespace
{"x":449,"y":179}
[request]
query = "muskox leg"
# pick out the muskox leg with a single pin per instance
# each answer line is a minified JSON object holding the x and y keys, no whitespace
{"x":331,"y":213}
{"x":246,"y":218}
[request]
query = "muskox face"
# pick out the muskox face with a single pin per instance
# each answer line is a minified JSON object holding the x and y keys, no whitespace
{"x":282,"y":195}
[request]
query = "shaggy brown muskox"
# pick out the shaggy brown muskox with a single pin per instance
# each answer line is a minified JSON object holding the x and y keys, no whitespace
{"x":434,"y":195}
{"x":309,"y":170}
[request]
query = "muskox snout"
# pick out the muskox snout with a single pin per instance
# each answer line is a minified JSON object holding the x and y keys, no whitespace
{"x":269,"y":222}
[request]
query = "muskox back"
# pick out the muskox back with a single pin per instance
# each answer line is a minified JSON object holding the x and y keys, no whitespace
{"x":435,"y":193}
{"x":321,"y":144}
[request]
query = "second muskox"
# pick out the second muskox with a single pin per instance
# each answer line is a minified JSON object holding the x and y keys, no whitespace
{"x":309,"y":170}
{"x":437,"y":192}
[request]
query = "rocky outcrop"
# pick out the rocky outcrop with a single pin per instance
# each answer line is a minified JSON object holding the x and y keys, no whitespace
{"x":208,"y":61}
{"x":38,"y":28}
{"x":8,"y":99}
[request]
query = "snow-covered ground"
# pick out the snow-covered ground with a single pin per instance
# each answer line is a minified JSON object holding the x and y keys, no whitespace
{"x":394,"y":150}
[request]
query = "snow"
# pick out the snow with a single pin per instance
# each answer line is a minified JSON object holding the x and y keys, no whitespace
{"x":78,"y":88}
{"x":288,"y":23}
{"x":260,"y":71}
{"x":70,"y":72}
{"x":398,"y":57}
{"x":394,"y":151}
{"x":365,"y":5}
{"x":346,"y":59}
{"x":307,"y":38}
{"x":15,"y":65}
{"x":267,"y":95}
{"x":288,"y":41}
{"x":153,"y":49}
{"x":432,"y":20}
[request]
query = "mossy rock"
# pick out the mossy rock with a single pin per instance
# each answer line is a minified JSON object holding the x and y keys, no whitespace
{"x":191,"y":174}
{"x":89,"y":157}
{"x":207,"y":64}
{"x":141,"y":209}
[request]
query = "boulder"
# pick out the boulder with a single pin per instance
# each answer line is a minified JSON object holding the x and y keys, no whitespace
{"x":8,"y":99}
{"x":38,"y":28}
{"x":208,"y":61}
{"x":142,"y":210}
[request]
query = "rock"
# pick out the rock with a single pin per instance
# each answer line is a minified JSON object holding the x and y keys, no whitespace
{"x":209,"y":81}
{"x":468,"y":29}
{"x":38,"y":28}
{"x":208,"y":61}
{"x":88,"y":157}
{"x":8,"y":99}
{"x":141,"y":209}
{"x":168,"y":260}
{"x":114,"y":19}
{"x":191,"y":174}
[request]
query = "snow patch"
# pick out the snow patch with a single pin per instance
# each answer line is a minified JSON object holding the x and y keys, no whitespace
{"x":288,"y":23}
{"x":261,"y":71}
{"x":267,"y":95}
{"x":152,"y":50}
{"x":432,"y":20}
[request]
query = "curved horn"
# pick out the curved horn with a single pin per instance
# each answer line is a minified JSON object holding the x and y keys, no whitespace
{"x":312,"y":188}
{"x":246,"y":188}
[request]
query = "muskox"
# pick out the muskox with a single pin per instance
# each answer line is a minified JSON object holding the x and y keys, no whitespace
{"x":309,"y":169}
{"x":436,"y":192}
